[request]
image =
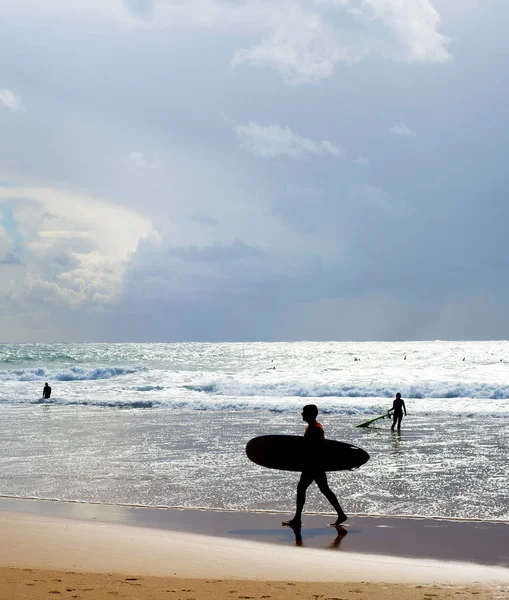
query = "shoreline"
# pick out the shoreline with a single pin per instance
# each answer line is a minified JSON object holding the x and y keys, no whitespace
{"x":8,"y":498}
{"x":478,"y":542}
{"x":42,"y":542}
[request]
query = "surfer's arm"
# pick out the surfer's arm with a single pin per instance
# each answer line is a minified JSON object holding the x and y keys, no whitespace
{"x":404,"y":407}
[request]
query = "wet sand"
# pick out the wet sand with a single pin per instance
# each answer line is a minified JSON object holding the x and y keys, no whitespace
{"x":44,"y":553}
{"x":480,"y":542}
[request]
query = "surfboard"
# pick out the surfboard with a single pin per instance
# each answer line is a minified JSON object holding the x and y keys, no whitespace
{"x":385,"y":415}
{"x":291,"y":453}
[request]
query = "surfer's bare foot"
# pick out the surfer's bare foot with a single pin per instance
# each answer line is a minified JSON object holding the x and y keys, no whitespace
{"x":293,"y":523}
{"x":338,"y":521}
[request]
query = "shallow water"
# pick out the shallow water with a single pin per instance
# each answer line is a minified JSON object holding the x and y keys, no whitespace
{"x":167,"y":424}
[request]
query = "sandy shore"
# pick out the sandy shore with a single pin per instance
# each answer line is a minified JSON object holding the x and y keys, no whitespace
{"x":36,"y":584}
{"x":43,"y":556}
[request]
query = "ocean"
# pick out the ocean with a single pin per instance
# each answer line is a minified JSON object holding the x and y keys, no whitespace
{"x":167,"y":424}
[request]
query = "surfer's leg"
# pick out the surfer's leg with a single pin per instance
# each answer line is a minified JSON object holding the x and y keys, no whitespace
{"x":323,"y":485}
{"x":394,"y":419}
{"x":306,"y":479}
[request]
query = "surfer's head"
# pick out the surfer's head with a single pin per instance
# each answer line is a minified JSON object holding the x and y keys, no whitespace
{"x":398,"y":395}
{"x":310,"y":412}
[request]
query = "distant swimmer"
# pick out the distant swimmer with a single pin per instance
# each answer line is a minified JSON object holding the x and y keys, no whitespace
{"x":463,"y":359}
{"x":46,"y":392}
{"x":356,"y":359}
{"x":405,"y":357}
{"x":314,"y":436}
{"x":398,"y":406}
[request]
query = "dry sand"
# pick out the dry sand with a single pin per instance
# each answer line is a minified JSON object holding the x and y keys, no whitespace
{"x":36,"y":584}
{"x":46,"y":557}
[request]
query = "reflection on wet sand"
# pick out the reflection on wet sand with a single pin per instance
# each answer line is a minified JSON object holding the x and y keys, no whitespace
{"x":297,"y":530}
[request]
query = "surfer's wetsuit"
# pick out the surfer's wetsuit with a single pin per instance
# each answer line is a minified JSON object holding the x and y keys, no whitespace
{"x":398,"y":406}
{"x":46,"y":392}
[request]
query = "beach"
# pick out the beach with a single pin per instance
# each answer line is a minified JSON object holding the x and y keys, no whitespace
{"x":45,"y":554}
{"x":132,"y":480}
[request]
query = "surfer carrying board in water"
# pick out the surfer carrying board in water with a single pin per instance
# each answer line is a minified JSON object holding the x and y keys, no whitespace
{"x":398,"y":406}
{"x":314,"y":436}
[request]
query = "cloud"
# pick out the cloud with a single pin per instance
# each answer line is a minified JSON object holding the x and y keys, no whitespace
{"x":306,"y":41}
{"x":74,"y":248}
{"x":10,"y":100}
{"x":402,"y":129}
{"x":273,"y":141}
{"x":362,"y":161}
{"x":243,"y":243}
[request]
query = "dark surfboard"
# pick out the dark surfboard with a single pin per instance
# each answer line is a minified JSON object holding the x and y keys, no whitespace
{"x":292,"y":453}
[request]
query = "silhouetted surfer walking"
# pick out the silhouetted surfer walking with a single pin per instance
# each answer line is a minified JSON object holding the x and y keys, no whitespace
{"x":46,"y":392}
{"x":314,"y":436}
{"x":398,"y":406}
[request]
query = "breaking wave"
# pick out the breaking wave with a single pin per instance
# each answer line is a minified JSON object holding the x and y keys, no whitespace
{"x":71,"y":374}
{"x":289,"y":389}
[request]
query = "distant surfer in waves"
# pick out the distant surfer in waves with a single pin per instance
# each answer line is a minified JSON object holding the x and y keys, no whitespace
{"x":314,"y":435}
{"x":398,"y":406}
{"x":46,"y":392}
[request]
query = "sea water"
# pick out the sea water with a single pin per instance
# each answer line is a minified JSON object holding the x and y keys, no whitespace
{"x":167,"y":424}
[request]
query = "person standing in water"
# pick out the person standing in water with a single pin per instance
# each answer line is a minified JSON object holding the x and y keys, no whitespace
{"x":46,"y":392}
{"x":398,"y":406}
{"x":314,"y":437}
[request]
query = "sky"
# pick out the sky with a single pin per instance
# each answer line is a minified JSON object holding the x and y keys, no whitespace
{"x":243,"y":170}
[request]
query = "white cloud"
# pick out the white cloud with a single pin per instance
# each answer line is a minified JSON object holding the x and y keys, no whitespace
{"x":402,"y":129}
{"x":272,"y":141}
{"x":306,"y":41}
{"x":413,"y":25}
{"x":74,"y":248}
{"x":10,"y":100}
